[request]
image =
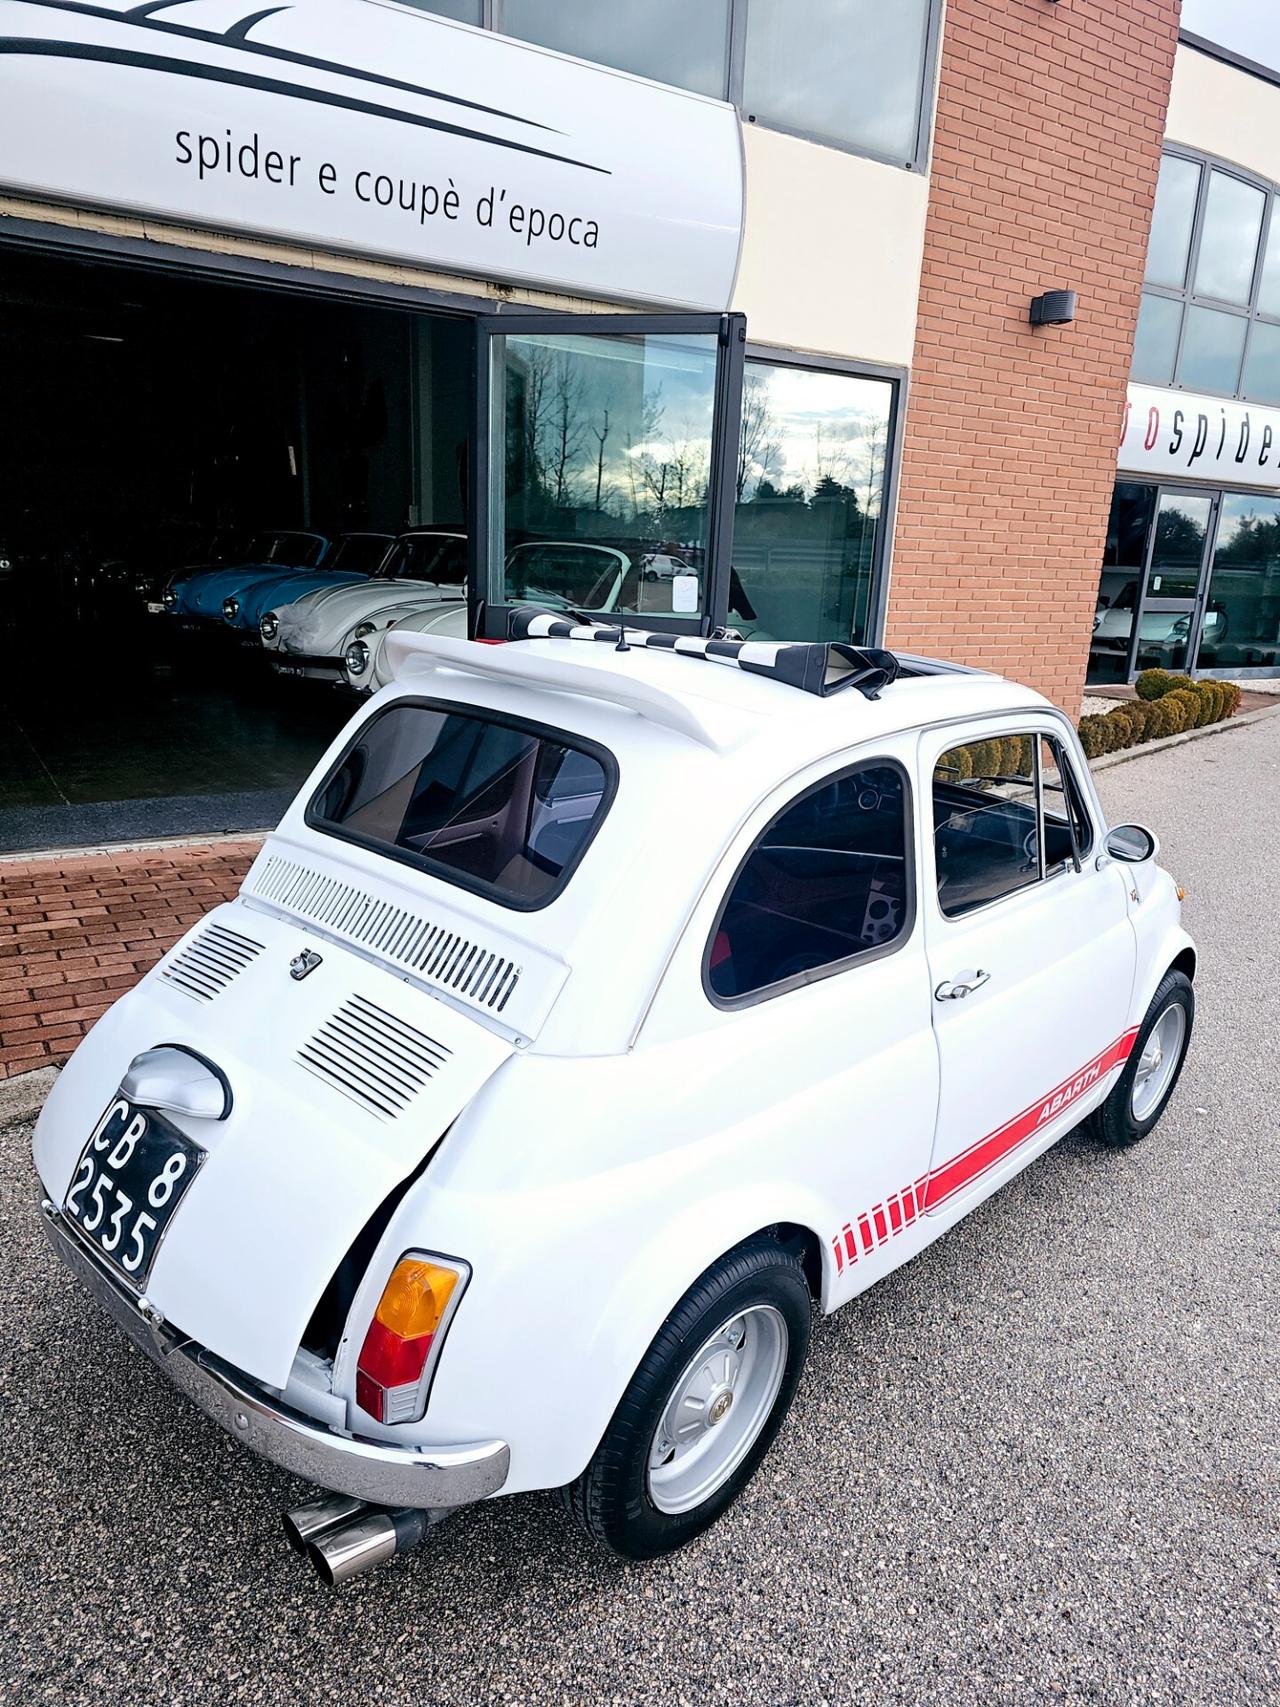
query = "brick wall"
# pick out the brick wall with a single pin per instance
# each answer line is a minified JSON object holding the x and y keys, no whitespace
{"x":1050,"y":119}
{"x":76,"y":932}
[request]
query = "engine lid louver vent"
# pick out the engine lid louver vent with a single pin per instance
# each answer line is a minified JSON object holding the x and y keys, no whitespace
{"x":373,"y":1057}
{"x":210,"y":961}
{"x":433,"y":952}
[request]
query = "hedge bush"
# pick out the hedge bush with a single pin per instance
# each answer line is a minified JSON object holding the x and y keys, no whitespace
{"x":1167,"y":704}
{"x":1151,"y":684}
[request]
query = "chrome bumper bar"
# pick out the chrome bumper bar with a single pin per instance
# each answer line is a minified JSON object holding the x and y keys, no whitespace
{"x":430,"y":1477}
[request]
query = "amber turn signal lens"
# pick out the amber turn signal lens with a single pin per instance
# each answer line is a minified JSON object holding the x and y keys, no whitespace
{"x":1182,"y":894}
{"x":415,"y":1298}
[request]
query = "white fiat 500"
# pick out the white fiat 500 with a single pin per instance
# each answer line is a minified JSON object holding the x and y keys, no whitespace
{"x":604,"y":1004}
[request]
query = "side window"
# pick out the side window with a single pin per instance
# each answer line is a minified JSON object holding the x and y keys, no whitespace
{"x":995,"y":831}
{"x":828,"y":881}
{"x":986,"y":827}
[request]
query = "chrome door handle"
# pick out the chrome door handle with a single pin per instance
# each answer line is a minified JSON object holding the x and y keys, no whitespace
{"x":964,"y":985}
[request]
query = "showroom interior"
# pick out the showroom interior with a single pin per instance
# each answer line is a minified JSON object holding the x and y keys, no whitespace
{"x":155,"y":422}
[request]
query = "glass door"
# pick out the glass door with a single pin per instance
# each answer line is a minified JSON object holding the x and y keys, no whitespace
{"x":1174,"y":585}
{"x":602,"y":466}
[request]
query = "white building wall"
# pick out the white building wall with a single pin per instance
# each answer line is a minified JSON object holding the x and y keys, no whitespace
{"x":1221,"y":110}
{"x":832,"y":250}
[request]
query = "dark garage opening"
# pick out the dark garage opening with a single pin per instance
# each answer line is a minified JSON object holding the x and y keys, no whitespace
{"x":154,"y":421}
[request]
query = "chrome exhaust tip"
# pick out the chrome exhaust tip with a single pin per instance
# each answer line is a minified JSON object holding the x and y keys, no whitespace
{"x":369,"y":1539}
{"x":307,"y":1523}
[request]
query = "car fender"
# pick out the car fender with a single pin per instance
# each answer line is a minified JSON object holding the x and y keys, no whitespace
{"x":1161,"y":937}
{"x":584,"y":1320}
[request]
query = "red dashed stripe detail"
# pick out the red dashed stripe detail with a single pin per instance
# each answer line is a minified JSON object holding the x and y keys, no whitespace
{"x":883,"y":1221}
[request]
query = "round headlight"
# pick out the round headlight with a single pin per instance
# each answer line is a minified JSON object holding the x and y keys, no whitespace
{"x":230,"y":609}
{"x":170,"y":600}
{"x":363,"y":628}
{"x":356,"y":658}
{"x":269,"y":627}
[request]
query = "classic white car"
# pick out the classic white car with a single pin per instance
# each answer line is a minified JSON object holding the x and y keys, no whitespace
{"x":366,"y":665}
{"x":308,"y":637}
{"x":603,"y":1005}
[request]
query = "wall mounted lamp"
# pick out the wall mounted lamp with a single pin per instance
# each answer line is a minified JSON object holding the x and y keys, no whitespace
{"x":1053,"y":308}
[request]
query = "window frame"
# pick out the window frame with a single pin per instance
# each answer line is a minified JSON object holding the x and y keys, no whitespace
{"x":861,"y":957}
{"x":899,"y":381}
{"x":1188,"y":297}
{"x":449,"y":875}
{"x":1045,"y":873}
{"x":494,"y":18}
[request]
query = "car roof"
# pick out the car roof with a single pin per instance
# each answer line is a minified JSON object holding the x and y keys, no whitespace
{"x":707,"y":701}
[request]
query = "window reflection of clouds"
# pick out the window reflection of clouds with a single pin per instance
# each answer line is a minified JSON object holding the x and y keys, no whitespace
{"x":821,"y":424}
{"x":1229,"y":241}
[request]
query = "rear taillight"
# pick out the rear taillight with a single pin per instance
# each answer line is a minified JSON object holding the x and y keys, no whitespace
{"x":394,"y":1368}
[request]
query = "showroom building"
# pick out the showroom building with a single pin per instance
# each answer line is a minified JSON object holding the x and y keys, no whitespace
{"x":686,"y":314}
{"x":1191,"y":571}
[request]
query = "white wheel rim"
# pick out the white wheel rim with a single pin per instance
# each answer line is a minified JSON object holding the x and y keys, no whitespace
{"x":722,"y":1400}
{"x":1158,"y":1062}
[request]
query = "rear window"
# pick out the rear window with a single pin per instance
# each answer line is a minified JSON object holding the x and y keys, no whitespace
{"x":499,"y":806}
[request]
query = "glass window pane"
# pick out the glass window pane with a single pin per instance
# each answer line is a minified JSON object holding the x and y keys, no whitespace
{"x":1211,"y":349}
{"x":472,"y":799}
{"x":463,"y":11}
{"x":826,"y":882}
{"x":668,"y":40}
{"x":601,"y":496}
{"x":985,"y":822}
{"x":1241,"y":628}
{"x":1132,"y":508}
{"x":1262,"y":365}
{"x":846,"y":70}
{"x":1269,"y":286}
{"x":1068,"y":834}
{"x":810,"y":487}
{"x":1181,"y":525}
{"x":1229,"y":239}
{"x":1156,"y":343}
{"x":1171,"y":221}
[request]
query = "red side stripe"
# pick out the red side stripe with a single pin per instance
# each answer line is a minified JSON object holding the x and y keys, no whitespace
{"x":933,"y":1189}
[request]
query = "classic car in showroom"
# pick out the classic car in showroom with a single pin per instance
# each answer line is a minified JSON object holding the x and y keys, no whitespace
{"x":429,"y":1177}
{"x":366,"y":666}
{"x":201,"y":595}
{"x":351,"y":560}
{"x":308,"y":636}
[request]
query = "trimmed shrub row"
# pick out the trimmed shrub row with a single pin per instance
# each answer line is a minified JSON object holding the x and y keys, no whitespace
{"x":1166,"y":705}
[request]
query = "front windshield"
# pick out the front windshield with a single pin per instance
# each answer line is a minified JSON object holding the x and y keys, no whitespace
{"x":440,"y":558}
{"x":571,"y":577}
{"x":358,"y":553}
{"x":291,"y":550}
{"x":499,"y":807}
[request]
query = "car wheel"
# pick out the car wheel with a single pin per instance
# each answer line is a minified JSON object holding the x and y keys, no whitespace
{"x":1144,"y":1088}
{"x":702,"y":1409}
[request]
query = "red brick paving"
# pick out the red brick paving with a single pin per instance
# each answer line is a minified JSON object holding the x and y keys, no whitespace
{"x":78,"y":930}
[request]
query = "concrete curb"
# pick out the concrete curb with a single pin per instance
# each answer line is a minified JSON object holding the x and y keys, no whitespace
{"x":106,"y":850}
{"x":22,"y":1098}
{"x":1145,"y":748}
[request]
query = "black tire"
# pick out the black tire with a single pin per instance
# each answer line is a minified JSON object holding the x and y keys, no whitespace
{"x":611,"y":1499}
{"x":1114,"y":1122}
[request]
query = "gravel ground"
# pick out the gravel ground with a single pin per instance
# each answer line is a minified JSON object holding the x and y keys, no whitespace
{"x":1040,"y":1462}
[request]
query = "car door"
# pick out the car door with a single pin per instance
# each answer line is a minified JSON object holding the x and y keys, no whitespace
{"x":1030,"y":950}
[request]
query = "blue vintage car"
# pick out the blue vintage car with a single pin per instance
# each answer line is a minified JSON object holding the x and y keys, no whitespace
{"x":272,"y":553}
{"x":351,"y":557}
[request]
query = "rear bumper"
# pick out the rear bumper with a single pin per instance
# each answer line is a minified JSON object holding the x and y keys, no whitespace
{"x":422,"y":1476}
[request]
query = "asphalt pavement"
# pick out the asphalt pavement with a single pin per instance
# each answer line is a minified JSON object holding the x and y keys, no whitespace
{"x":1041,"y":1462}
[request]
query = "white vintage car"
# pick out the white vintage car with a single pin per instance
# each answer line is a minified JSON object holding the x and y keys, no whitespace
{"x":366,"y":664}
{"x":603,"y":1006}
{"x":308,"y":637}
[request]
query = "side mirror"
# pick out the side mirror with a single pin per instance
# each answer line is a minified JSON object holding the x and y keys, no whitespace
{"x":1132,"y":843}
